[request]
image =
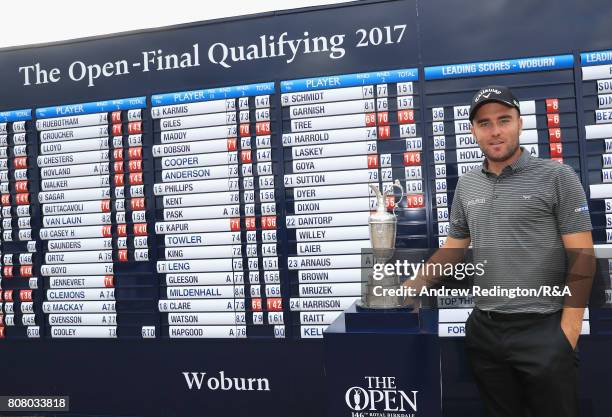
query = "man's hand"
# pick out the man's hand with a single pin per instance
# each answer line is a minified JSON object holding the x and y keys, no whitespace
{"x":571,"y":324}
{"x":444,"y":255}
{"x":579,"y":247}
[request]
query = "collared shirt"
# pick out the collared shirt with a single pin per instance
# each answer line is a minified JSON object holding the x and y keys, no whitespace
{"x":515,"y":221}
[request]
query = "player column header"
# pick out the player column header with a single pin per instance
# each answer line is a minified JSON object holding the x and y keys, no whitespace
{"x":350,"y":80}
{"x":212,"y":94}
{"x":92,"y":107}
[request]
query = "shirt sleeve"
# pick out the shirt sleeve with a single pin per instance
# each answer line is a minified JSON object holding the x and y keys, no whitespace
{"x":571,"y":206}
{"x":458,"y":227}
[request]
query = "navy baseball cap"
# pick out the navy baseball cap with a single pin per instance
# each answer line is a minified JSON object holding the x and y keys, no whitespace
{"x":493,"y":93}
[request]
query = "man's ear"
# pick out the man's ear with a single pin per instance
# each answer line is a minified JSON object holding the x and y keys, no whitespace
{"x":520,"y":125}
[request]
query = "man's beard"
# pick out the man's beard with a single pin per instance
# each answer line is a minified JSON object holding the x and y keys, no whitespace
{"x":505,"y":156}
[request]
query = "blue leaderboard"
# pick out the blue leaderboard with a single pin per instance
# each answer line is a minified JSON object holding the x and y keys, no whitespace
{"x":242,"y":211}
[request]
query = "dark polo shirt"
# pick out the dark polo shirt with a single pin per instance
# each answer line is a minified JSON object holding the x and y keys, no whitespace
{"x":515,"y":222}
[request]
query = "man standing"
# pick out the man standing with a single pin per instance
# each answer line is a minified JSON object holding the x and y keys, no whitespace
{"x":523,"y":214}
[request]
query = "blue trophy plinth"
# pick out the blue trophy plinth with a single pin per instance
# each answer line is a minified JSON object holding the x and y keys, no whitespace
{"x":383,"y":362}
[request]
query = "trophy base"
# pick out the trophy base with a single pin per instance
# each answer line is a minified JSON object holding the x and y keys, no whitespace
{"x":362,"y":306}
{"x":393,"y":320}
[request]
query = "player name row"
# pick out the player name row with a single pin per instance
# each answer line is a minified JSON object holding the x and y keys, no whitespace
{"x":212,"y":318}
{"x":116,"y":130}
{"x":347,"y":93}
{"x":203,"y":305}
{"x":212,"y":106}
{"x":266,"y":223}
{"x":138,"y":203}
{"x":209,"y":291}
{"x":199,"y":246}
{"x":527,"y":107}
{"x":197,"y":265}
{"x":189,"y":252}
{"x":407,"y":127}
{"x":174,"y":332}
{"x":404,"y":105}
{"x":191,"y":279}
{"x":191,"y":305}
{"x":215,"y":119}
{"x":87,"y":120}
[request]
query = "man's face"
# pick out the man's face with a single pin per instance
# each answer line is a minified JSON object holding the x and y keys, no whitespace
{"x":497,"y":128}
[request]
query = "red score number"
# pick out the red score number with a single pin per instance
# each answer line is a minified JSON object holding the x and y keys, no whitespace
{"x":134,"y":128}
{"x":390,"y":202}
{"x":25,"y":295}
{"x":140,"y":229}
{"x":244,"y":129}
{"x":21,"y":186}
{"x":21,"y":162}
{"x":372,"y":161}
{"x":117,"y":130}
{"x":556,"y":150}
{"x":135,"y":165}
{"x":137,"y":203}
{"x":122,"y":230}
{"x":383,"y":118}
{"x":116,"y":117}
{"x":256,"y":304}
{"x":552,"y":105}
{"x":268,"y":222}
{"x":135,"y":153}
{"x":262,"y":128}
{"x":109,"y":281}
{"x":119,"y":180}
{"x":105,"y":206}
{"x":7,"y":271}
{"x":21,"y":199}
{"x":274,"y":304}
{"x":554,"y":135}
{"x":412,"y":158}
{"x":232,"y":144}
{"x":370,"y":119}
{"x":384,"y":132}
{"x":136,"y":178}
{"x":552,"y":120}
{"x":415,"y":201}
{"x":250,"y":223}
{"x":235,"y":224}
{"x":122,"y":255}
{"x":405,"y":116}
{"x":246,"y":156}
{"x":25,"y":271}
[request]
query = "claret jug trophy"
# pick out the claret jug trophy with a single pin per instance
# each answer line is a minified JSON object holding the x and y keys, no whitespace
{"x":376,"y":292}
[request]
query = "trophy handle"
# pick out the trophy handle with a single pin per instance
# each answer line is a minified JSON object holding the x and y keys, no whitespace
{"x":397,"y":184}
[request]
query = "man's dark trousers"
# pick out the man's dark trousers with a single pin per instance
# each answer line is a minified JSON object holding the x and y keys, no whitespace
{"x":522,"y":362}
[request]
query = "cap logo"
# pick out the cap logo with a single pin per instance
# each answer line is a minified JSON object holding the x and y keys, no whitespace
{"x":488,"y":92}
